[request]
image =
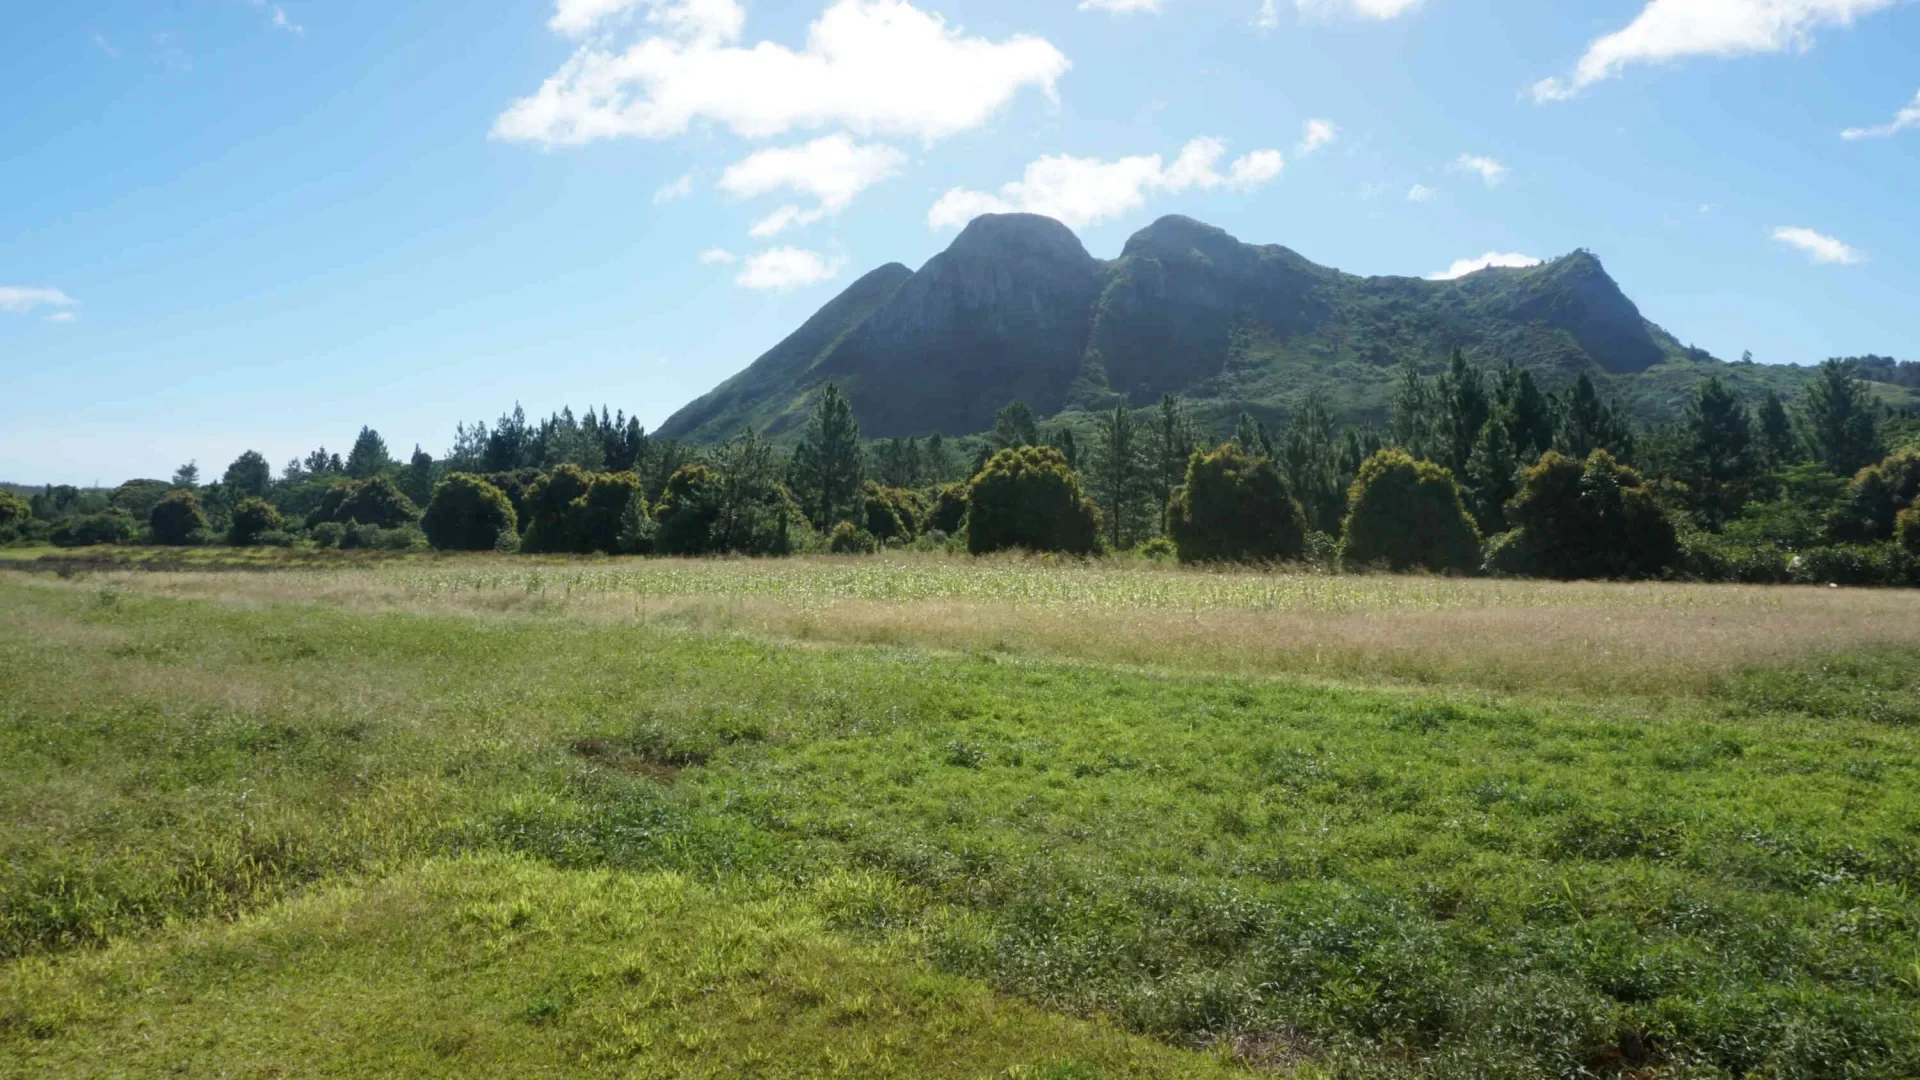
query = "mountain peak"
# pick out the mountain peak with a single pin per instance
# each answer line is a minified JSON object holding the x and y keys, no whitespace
{"x":1019,"y":235}
{"x":1178,"y":237}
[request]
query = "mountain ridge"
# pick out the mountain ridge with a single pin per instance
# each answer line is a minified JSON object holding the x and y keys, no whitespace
{"x":1016,"y":308}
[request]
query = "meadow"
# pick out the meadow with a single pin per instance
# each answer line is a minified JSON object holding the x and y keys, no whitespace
{"x":920,"y":816}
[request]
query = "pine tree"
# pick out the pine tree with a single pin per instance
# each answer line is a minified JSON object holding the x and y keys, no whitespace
{"x":249,"y":474}
{"x":1529,"y":413}
{"x":417,"y":479}
{"x":369,"y":457}
{"x":1588,"y":424}
{"x":1171,"y":441}
{"x":187,"y":476}
{"x":1492,"y":475}
{"x":1411,"y":415}
{"x":1013,"y":427}
{"x":1843,"y":419}
{"x":937,"y":461}
{"x":1120,"y":479}
{"x":1246,"y":434}
{"x":1721,"y":464}
{"x":1061,"y":439}
{"x":1778,"y":441}
{"x":827,"y":465}
{"x":1463,"y":408}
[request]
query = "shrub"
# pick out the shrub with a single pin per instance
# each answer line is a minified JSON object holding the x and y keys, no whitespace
{"x":554,"y":504}
{"x":375,"y":501}
{"x":850,"y":539}
{"x":613,"y":516}
{"x":689,"y":505}
{"x":1235,"y":508}
{"x":1027,"y":497}
{"x":1907,"y":530}
{"x":177,"y":520}
{"x":1158,"y":549}
{"x":1706,"y":557}
{"x":468,"y":514}
{"x":252,"y":519}
{"x":889,"y":514}
{"x":949,"y":510}
{"x":1591,"y":520}
{"x":86,"y":530}
{"x":1878,"y":496}
{"x":279,"y":538}
{"x":1856,"y":564}
{"x":14,"y":510}
{"x":1405,"y":514}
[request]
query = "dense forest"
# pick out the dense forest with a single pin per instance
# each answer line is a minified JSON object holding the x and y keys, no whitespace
{"x":1477,"y":471}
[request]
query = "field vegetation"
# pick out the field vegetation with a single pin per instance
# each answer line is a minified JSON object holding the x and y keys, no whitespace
{"x":936,"y":816}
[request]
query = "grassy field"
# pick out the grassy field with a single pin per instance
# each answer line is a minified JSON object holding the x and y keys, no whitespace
{"x":931,"y":817}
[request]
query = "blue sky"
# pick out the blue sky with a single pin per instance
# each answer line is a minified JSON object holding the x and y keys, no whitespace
{"x":232,"y":224}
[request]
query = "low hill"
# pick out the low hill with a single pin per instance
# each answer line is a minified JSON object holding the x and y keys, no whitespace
{"x":1017,"y":308}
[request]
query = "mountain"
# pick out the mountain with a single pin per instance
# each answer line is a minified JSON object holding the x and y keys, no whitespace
{"x":1016,"y":308}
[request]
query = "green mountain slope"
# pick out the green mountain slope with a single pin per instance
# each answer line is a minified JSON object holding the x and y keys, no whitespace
{"x":1017,"y":308}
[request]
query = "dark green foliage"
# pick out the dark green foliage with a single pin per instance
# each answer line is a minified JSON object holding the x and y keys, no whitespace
{"x":949,"y":512}
{"x":851,"y":539}
{"x":1878,"y":495}
{"x":14,"y":511}
{"x":829,"y":464}
{"x":614,"y":517}
{"x":1405,"y":514}
{"x":688,"y":508}
{"x":369,"y":457}
{"x":417,"y":479}
{"x":1171,"y":439}
{"x":735,"y":506}
{"x":1883,"y":564}
{"x":1587,"y":424}
{"x":1492,"y":475}
{"x":1721,"y":465}
{"x":1843,"y":420}
{"x":177,"y":520}
{"x":1907,"y":531}
{"x":889,"y":514}
{"x":1778,"y":441}
{"x":1014,"y":426}
{"x":252,"y":519}
{"x":187,"y":476}
{"x":374,"y":501}
{"x":114,"y":526}
{"x":1029,"y":499}
{"x":515,"y":486}
{"x":469,"y":514}
{"x":1318,"y":464}
{"x":1061,"y":438}
{"x":1121,"y":480}
{"x":1235,"y":507}
{"x":137,"y":497}
{"x":902,"y":463}
{"x":1595,"y":519}
{"x":249,"y":474}
{"x":556,"y":503}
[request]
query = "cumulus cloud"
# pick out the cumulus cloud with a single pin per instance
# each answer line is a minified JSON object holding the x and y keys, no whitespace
{"x":785,"y":269}
{"x":1120,"y":7}
{"x":718,"y":257}
{"x":1087,"y":191}
{"x":870,"y":66}
{"x":1319,"y":135}
{"x":1489,"y":170}
{"x":23,"y":299}
{"x":832,"y":169}
{"x":1369,"y":9}
{"x":1420,"y":193}
{"x":1908,"y":117}
{"x":1818,"y":246}
{"x":679,"y":189}
{"x":1671,"y":30}
{"x":713,"y":20}
{"x":1462,"y":267}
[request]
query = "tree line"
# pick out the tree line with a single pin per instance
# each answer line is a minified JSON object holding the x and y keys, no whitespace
{"x":1475,"y":471}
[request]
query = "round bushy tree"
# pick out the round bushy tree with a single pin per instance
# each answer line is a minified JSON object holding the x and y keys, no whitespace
{"x":367,"y":502}
{"x":889,"y":513}
{"x":177,"y":520}
{"x":110,"y":527}
{"x":555,"y":502}
{"x":251,"y":519}
{"x":949,"y":511}
{"x":1592,"y":519}
{"x":613,"y":514}
{"x":1027,"y":497}
{"x":1878,"y":494}
{"x":850,"y":539}
{"x":14,"y":512}
{"x":1405,"y":514}
{"x":1907,"y":530}
{"x":1235,"y":507}
{"x":468,"y":514}
{"x":688,"y":508}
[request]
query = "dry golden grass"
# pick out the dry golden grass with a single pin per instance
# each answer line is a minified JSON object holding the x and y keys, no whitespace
{"x":1646,"y":639}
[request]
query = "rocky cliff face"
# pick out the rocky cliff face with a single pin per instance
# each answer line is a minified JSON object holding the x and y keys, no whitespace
{"x":1017,"y":309}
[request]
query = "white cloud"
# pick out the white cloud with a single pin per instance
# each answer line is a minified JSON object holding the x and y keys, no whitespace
{"x":1818,"y":247}
{"x":62,"y":316}
{"x":100,"y":41}
{"x":1671,"y":30}
{"x":1087,"y":191}
{"x":1908,"y":117}
{"x":785,"y":269}
{"x":1370,"y":9}
{"x":280,"y":20}
{"x":22,"y":299}
{"x":1319,"y":135}
{"x":718,"y":257}
{"x":679,"y":189}
{"x":1120,"y":7}
{"x":1461,"y":268}
{"x":1491,"y":171}
{"x":1420,"y":193}
{"x":709,"y":20}
{"x":871,"y":66}
{"x":832,"y":169}
{"x":1268,"y":17}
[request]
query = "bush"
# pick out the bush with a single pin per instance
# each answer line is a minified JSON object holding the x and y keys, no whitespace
{"x":1405,"y":514}
{"x":253,"y":519}
{"x":1878,"y":496}
{"x":889,"y":514}
{"x":14,"y":511}
{"x":328,"y":534}
{"x":1591,"y":520}
{"x":851,"y":539}
{"x":555,"y":504}
{"x":177,"y":520}
{"x":87,"y":530}
{"x":1027,"y":497}
{"x":1235,"y":508}
{"x":374,"y":501}
{"x":1706,"y":557}
{"x":279,"y":538}
{"x":1907,"y":530}
{"x":468,"y":514}
{"x":613,"y":517}
{"x":689,"y":505}
{"x":1857,"y":565}
{"x":1158,"y":549}
{"x":949,"y":511}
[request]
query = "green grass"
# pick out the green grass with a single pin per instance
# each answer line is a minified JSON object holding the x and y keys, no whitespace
{"x":1359,"y":880}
